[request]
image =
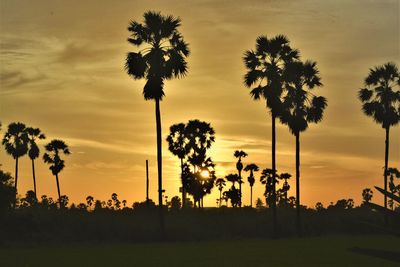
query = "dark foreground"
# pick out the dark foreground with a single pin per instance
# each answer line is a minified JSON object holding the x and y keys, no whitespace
{"x":366,"y":250}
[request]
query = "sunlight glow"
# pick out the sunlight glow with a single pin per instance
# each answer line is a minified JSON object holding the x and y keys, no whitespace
{"x":205,"y":174}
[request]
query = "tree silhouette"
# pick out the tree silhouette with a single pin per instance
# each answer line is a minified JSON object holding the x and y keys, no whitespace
{"x":89,"y":201}
{"x":33,"y":150}
{"x":161,"y":58}
{"x":220,"y":183}
{"x":285,"y":187}
{"x":15,"y":142}
{"x":367,"y":195}
{"x":381,"y":101}
{"x":177,"y":145}
{"x":239,"y":154}
{"x":264,"y":75}
{"x":251,"y":179}
{"x":7,"y":192}
{"x":52,"y":157}
{"x":268,"y":178}
{"x":393,"y":172}
{"x":299,"y":108}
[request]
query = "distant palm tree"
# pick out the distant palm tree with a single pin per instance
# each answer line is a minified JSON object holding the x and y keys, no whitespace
{"x":381,"y":101}
{"x":177,"y":145}
{"x":239,"y":154}
{"x":233,"y":178}
{"x":265,"y":67}
{"x":15,"y":142}
{"x":52,"y":157}
{"x":299,"y":108}
{"x":33,"y":149}
{"x":252,"y":168}
{"x":267,"y":178}
{"x":285,"y":188}
{"x":161,"y":58}
{"x":220,"y":183}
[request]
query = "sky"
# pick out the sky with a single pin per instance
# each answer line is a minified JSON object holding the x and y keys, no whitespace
{"x":62,"y":70}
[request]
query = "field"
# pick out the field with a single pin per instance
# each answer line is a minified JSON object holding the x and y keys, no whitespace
{"x":366,"y":250}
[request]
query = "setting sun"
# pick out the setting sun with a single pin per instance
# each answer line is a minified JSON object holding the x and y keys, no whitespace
{"x":205,"y":174}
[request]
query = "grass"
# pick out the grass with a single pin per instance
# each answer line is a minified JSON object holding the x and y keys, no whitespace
{"x":373,"y":250}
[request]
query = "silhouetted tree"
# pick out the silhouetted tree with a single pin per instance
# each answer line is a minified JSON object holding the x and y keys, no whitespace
{"x":15,"y":142}
{"x":285,"y":187}
{"x":175,"y":203}
{"x":381,"y":101}
{"x":162,"y":57}
{"x":259,"y":203}
{"x":239,"y":154}
{"x":301,"y":107}
{"x":89,"y":201}
{"x":64,"y":200}
{"x":265,"y":66}
{"x":7,"y":192}
{"x":33,"y":135}
{"x":52,"y":157}
{"x":177,"y":144}
{"x":220,"y":183}
{"x":234,"y":195}
{"x":29,"y":200}
{"x":393,"y":188}
{"x":367,"y":195}
{"x":252,"y":168}
{"x":269,"y":180}
{"x":319,"y":207}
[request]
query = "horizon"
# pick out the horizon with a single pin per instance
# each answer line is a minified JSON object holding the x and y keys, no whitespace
{"x":67,"y":78}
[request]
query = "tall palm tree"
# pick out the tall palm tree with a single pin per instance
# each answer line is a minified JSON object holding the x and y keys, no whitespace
{"x":265,"y":66}
{"x":33,"y":149}
{"x":177,"y":146}
{"x":239,"y":154}
{"x":381,"y":100}
{"x":251,"y":179}
{"x":161,"y":58}
{"x":220,"y":183}
{"x":52,"y":157}
{"x":299,"y":108}
{"x":15,"y":141}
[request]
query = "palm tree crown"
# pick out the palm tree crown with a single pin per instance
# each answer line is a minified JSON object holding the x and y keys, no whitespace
{"x":162,"y":56}
{"x":15,"y":140}
{"x":300,"y":106}
{"x":33,"y":134}
{"x":252,"y":168}
{"x":52,"y":156}
{"x":380,"y":99}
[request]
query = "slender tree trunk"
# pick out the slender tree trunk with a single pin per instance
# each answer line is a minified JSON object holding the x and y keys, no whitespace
{"x":240,"y":189}
{"x":386,"y":168}
{"x":274,"y":215}
{"x":298,"y":217}
{"x":16,"y":174}
{"x":34,"y":178}
{"x":251,"y":196}
{"x":183,"y":187}
{"x":220,"y":198}
{"x":58,"y":190}
{"x":147,"y":184}
{"x":159,"y":168}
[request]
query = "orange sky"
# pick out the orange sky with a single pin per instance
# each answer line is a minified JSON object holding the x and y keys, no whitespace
{"x":61,"y":69}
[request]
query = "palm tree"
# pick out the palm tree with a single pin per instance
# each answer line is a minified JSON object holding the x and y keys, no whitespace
{"x":15,"y":142}
{"x":239,"y":154}
{"x":299,"y":108}
{"x":285,"y":188}
{"x":33,"y":149}
{"x":252,"y":168}
{"x":265,"y":67}
{"x":161,"y":58}
{"x":381,"y":101}
{"x":233,"y":178}
{"x":177,"y":146}
{"x":220,"y":183}
{"x":268,"y":178}
{"x":52,"y":157}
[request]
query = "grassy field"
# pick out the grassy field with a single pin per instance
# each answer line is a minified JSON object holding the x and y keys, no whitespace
{"x":321,"y":251}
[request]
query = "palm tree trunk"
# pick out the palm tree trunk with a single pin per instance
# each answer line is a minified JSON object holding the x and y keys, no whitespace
{"x":183,"y":187}
{"x":220,"y":197}
{"x":34,"y":178}
{"x":159,"y":166}
{"x":386,"y":167}
{"x":16,"y":174}
{"x":58,"y":190}
{"x":298,"y":218}
{"x":240,"y":189}
{"x":274,"y":215}
{"x":251,"y":196}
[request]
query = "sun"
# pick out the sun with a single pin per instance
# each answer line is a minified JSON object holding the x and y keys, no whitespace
{"x":205,"y":174}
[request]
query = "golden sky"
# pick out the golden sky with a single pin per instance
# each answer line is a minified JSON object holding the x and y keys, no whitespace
{"x":61,"y":69}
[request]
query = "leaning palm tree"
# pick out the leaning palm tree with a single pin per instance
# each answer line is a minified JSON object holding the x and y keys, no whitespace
{"x":252,"y":168}
{"x":220,"y":183}
{"x":239,"y":154}
{"x":33,"y":149}
{"x":15,"y":142}
{"x":301,"y":107}
{"x":265,"y":66}
{"x":52,"y":157}
{"x":381,"y":100}
{"x":161,"y":58}
{"x":177,"y":146}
